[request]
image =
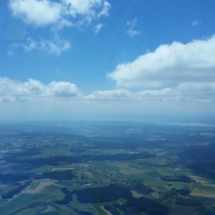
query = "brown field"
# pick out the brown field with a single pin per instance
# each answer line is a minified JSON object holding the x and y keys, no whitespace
{"x":208,"y":195}
{"x":199,"y":179}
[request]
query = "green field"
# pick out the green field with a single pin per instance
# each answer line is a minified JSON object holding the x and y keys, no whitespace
{"x":123,"y":167}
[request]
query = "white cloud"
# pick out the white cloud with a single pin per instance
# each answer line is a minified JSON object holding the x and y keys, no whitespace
{"x":62,"y":13}
{"x":119,"y":95}
{"x":88,"y":8}
{"x":62,"y":89}
{"x":34,"y":90}
{"x":195,"y":23}
{"x":175,"y":63}
{"x":131,"y":24}
{"x":98,"y":28}
{"x":39,"y":13}
{"x":105,"y":9}
{"x":202,"y":92}
{"x":185,"y":92}
{"x":58,"y":14}
{"x":109,"y":95}
{"x":55,"y":47}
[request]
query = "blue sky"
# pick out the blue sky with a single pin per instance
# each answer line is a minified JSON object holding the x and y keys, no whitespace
{"x":105,"y":59}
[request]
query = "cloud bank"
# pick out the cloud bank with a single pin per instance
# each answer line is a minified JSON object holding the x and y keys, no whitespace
{"x":184,"y":93}
{"x":33,"y":90}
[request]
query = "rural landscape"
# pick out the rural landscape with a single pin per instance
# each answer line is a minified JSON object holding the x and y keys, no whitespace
{"x":104,"y":168}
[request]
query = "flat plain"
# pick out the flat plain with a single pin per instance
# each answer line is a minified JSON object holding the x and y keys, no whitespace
{"x":98,"y":168}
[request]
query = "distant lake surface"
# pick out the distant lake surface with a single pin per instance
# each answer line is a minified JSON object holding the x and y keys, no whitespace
{"x":197,"y":124}
{"x":168,"y":122}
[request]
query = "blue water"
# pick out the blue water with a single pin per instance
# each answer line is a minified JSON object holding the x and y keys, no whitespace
{"x":197,"y":124}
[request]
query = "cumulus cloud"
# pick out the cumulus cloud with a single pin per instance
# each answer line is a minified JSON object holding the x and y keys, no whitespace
{"x":36,"y":12}
{"x":174,"y":63}
{"x":131,"y":25}
{"x":62,"y":89}
{"x":55,"y":47}
{"x":64,"y":12}
{"x":11,"y":90}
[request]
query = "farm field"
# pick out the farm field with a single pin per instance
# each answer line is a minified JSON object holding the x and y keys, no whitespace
{"x":106,"y":168}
